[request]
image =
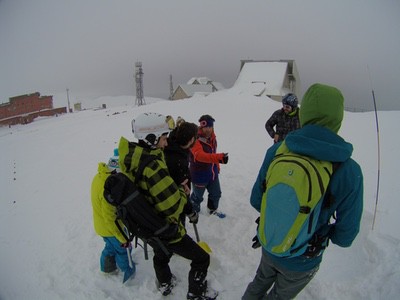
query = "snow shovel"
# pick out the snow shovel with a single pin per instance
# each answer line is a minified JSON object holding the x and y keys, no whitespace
{"x":128,"y":251}
{"x":203,"y":245}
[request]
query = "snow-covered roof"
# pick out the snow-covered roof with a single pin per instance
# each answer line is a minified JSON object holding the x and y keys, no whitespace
{"x":270,"y":75}
{"x":218,"y":85}
{"x":201,"y":80}
{"x":190,"y":89}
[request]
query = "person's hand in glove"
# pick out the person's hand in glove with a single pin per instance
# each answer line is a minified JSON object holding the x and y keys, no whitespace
{"x":193,"y":217}
{"x":255,"y":240}
{"x":126,"y":245}
{"x":224,"y":158}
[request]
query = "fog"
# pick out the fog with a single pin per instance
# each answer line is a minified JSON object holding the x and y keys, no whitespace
{"x":90,"y":47}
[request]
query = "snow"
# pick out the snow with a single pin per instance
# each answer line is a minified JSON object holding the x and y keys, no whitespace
{"x":267,"y":75}
{"x":49,"y":249}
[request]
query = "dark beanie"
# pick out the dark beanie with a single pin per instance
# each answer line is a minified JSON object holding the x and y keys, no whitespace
{"x":206,"y":121}
{"x":322,"y":105}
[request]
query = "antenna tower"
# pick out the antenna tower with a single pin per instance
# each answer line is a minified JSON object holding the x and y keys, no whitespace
{"x":139,"y":84}
{"x":171,"y":87}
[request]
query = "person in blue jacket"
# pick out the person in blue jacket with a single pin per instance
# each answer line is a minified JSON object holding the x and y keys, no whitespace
{"x":321,"y":116}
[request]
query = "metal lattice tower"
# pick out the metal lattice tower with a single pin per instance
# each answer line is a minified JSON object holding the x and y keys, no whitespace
{"x":139,"y":84}
{"x":171,"y":87}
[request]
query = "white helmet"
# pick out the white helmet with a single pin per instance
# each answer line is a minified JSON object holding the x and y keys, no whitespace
{"x":149,"y":127}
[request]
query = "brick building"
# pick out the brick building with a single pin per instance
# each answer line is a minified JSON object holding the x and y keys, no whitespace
{"x":23,"y":109}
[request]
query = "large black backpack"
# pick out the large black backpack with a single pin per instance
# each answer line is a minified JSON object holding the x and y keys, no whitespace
{"x":138,"y":216}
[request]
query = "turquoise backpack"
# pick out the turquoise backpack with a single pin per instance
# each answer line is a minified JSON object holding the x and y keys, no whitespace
{"x":290,"y":207}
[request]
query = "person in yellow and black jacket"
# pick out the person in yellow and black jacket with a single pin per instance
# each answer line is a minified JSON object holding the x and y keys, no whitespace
{"x":114,"y":252}
{"x":168,"y":199}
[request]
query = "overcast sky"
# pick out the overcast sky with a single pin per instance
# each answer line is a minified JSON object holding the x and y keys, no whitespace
{"x":91,"y":46}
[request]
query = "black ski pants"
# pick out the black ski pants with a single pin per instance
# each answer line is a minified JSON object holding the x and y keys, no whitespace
{"x":188,"y":249}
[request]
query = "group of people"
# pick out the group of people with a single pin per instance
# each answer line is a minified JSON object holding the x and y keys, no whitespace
{"x":188,"y":164}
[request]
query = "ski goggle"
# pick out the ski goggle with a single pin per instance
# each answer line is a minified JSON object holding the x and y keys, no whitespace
{"x":113,"y":163}
{"x":206,"y":123}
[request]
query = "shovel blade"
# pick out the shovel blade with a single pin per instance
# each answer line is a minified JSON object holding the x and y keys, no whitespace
{"x":204,"y":246}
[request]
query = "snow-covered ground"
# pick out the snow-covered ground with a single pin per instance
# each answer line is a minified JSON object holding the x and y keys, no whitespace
{"x":48,"y":246}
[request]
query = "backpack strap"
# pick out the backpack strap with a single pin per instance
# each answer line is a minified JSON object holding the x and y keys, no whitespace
{"x":319,"y":242}
{"x":142,"y":165}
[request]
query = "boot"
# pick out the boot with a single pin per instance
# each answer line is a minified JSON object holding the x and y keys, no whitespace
{"x":165,"y":288}
{"x":199,"y":289}
{"x":208,"y":294}
{"x":110,"y":267}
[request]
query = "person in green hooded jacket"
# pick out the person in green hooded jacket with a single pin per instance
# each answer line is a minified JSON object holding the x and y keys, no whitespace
{"x":321,"y":116}
{"x":169,"y":201}
{"x":116,"y":248}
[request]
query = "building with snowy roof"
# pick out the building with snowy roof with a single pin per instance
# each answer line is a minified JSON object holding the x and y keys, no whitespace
{"x":271,"y":78}
{"x":196,"y":86}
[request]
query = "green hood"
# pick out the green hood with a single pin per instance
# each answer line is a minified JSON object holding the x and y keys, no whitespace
{"x":322,"y":105}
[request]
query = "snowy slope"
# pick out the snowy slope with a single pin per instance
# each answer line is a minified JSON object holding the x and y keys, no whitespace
{"x":49,"y":249}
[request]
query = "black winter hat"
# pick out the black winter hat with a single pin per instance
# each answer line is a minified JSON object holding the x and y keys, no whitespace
{"x":206,"y":121}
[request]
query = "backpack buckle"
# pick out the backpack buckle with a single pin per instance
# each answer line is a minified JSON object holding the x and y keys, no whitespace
{"x":305,"y":209}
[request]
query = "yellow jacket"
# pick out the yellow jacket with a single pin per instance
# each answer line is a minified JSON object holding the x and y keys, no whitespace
{"x":103,"y":213}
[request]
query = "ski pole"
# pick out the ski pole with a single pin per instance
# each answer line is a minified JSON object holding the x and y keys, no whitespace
{"x":379,"y":155}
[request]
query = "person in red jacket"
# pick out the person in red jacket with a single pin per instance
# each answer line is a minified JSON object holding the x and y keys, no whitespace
{"x":204,"y":167}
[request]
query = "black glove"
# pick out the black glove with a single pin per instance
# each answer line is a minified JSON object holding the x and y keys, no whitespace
{"x":256,"y":242}
{"x":225,"y":159}
{"x":193,"y":217}
{"x":316,"y":245}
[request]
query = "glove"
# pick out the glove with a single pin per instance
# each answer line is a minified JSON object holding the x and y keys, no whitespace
{"x":256,"y":242}
{"x":126,"y":245}
{"x":224,"y":159}
{"x":316,"y":245}
{"x":193,"y":217}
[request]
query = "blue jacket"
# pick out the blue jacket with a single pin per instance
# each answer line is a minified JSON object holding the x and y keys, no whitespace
{"x":346,"y":187}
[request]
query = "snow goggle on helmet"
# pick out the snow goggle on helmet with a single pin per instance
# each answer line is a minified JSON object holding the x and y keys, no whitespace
{"x":113,"y":163}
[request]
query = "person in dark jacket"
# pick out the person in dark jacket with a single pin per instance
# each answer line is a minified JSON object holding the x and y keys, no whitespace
{"x":285,"y":119}
{"x":168,"y":199}
{"x":321,"y":116}
{"x":177,"y":152}
{"x":204,"y":168}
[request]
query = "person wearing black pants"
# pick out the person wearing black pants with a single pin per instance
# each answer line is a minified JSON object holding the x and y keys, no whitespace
{"x":190,"y":250}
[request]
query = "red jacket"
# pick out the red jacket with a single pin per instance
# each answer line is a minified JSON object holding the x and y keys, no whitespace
{"x":204,"y":161}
